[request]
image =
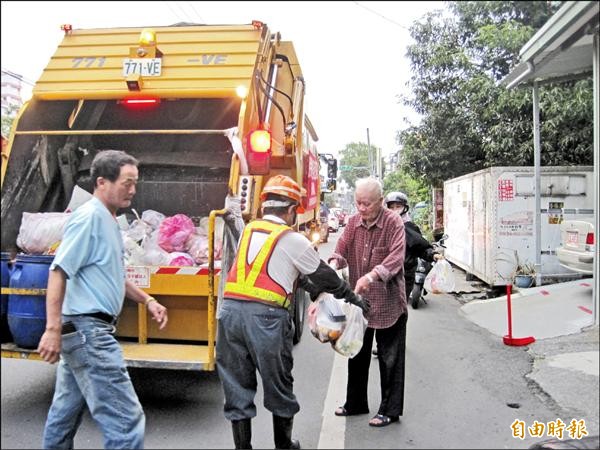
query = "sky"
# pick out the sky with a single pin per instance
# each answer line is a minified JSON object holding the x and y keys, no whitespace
{"x":352,"y":54}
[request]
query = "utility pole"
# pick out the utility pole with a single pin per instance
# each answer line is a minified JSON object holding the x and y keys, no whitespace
{"x":370,"y":156}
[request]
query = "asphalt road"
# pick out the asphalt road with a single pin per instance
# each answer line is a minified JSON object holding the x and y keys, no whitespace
{"x":464,"y":389}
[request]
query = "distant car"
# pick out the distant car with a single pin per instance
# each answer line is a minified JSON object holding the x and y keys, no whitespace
{"x":578,"y":246}
{"x":333,"y":222}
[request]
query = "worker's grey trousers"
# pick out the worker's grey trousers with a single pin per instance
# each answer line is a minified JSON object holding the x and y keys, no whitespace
{"x":253,"y":336}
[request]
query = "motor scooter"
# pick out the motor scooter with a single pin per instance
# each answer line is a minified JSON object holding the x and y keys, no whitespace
{"x":418,"y":293}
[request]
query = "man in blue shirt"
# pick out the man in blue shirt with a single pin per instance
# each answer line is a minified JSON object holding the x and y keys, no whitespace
{"x":87,"y":284}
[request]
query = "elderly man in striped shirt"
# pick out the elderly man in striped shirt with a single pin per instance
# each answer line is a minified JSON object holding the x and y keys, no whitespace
{"x":373,"y":246}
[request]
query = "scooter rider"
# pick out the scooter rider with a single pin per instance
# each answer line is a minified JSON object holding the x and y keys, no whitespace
{"x":416,"y":245}
{"x":255,"y":330}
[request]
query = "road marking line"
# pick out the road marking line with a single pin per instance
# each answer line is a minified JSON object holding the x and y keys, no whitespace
{"x":333,"y":428}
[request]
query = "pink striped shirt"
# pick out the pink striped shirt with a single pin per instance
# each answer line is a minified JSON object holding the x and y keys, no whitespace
{"x":381,"y":248}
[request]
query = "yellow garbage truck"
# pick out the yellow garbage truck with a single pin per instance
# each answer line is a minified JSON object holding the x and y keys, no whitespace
{"x":207,"y":110}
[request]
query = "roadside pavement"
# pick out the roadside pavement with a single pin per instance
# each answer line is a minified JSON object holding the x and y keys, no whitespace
{"x":565,"y":353}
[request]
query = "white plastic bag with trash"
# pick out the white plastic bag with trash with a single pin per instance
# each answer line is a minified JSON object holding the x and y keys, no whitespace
{"x":41,"y":231}
{"x":326,"y":318}
{"x":351,"y":340}
{"x":154,"y":255}
{"x":440,"y":280}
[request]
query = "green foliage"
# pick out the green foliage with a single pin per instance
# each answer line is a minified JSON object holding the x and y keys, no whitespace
{"x":417,"y":191}
{"x":469,"y":120}
{"x":414,"y":188}
{"x":355,"y":156}
{"x":423,"y":219}
{"x":8,"y":119}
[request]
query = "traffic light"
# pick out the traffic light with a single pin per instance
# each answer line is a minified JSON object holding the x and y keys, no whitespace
{"x":331,"y":185}
{"x":332,"y":168}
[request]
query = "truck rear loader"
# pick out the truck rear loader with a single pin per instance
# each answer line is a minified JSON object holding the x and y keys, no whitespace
{"x":207,"y":110}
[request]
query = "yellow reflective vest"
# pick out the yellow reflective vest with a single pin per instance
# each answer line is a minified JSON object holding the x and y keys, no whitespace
{"x":251,"y":281}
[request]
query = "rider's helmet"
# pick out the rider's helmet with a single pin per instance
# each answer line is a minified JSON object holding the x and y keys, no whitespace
{"x":397,"y":197}
{"x":283,"y":186}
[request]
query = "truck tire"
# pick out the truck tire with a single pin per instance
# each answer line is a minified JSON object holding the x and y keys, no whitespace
{"x":299,"y":311}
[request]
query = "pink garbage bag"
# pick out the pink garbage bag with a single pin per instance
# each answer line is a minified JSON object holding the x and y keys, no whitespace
{"x":180,"y":259}
{"x":174,"y":231}
{"x":197,"y":246}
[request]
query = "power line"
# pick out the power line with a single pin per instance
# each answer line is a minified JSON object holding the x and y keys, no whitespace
{"x":175,"y":13}
{"x":196,"y":12}
{"x":19,"y":77}
{"x":186,"y":17}
{"x":382,"y":16}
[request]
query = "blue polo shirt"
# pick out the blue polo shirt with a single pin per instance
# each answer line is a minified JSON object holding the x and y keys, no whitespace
{"x":91,"y":254}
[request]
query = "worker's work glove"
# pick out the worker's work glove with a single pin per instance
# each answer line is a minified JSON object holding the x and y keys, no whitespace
{"x":233,"y":207}
{"x":312,"y":289}
{"x":234,"y":222}
{"x":350,"y":296}
{"x":359,"y":301}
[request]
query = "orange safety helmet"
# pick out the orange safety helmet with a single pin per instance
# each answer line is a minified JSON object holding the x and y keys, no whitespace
{"x":286,"y":187}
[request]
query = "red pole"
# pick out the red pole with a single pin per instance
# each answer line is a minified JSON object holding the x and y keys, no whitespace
{"x":508,"y":339}
{"x":508,"y":289}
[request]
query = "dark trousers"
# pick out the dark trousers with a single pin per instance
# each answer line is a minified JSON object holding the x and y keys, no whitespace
{"x":253,"y":337}
{"x":391,"y":351}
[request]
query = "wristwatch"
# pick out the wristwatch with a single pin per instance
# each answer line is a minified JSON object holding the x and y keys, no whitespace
{"x":370,"y":278}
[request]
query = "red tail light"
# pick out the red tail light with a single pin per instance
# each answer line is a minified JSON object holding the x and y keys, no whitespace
{"x":140,"y":103}
{"x":258,"y":151}
{"x":589,"y":239}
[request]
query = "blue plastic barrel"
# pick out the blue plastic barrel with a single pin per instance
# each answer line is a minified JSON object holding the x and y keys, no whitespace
{"x":5,"y":335}
{"x":27,"y":313}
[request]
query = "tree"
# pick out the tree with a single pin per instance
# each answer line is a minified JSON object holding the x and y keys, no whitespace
{"x":415,"y":189}
{"x":354,"y":162}
{"x":469,"y":120}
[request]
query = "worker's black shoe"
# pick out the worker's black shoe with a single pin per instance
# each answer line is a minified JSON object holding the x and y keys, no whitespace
{"x":282,"y":432}
{"x":242,"y":433}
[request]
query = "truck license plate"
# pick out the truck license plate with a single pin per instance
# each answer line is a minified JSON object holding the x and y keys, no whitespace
{"x":572,"y":237}
{"x":146,"y":67}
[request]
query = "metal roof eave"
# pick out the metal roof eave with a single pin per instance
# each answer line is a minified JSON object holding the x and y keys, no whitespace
{"x":569,"y":19}
{"x":563,"y":46}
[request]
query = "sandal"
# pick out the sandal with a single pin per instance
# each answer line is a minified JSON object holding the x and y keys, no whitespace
{"x":341,"y":411}
{"x":384,"y":421}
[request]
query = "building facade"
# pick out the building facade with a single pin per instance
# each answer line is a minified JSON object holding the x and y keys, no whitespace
{"x":11,"y":92}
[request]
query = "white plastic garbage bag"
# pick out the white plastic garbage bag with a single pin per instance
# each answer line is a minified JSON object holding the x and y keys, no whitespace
{"x":326,"y":318}
{"x":351,"y":340}
{"x":440,"y":280}
{"x":41,"y":231}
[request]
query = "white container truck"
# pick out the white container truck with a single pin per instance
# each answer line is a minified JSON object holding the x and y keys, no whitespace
{"x":489,"y":218}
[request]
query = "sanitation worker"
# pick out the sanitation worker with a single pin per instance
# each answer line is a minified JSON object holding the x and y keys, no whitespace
{"x":255,"y":329}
